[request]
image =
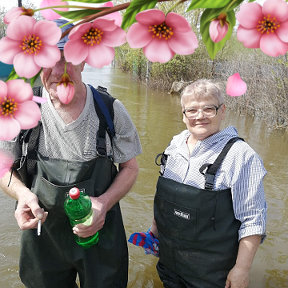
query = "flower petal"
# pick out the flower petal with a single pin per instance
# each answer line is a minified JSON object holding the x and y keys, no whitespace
{"x":48,"y":32}
{"x":48,"y":56}
{"x":6,"y":162}
{"x":249,"y":37}
{"x":28,"y":114}
{"x":65,"y":93}
{"x":277,"y":9}
{"x":10,"y":128}
{"x":158,"y":51}
{"x":282,"y":32}
{"x":39,"y":100}
{"x":104,"y":24}
{"x":19,"y":90}
{"x":235,"y":85}
{"x":116,"y":16}
{"x":107,"y":55}
{"x":3,"y":90}
{"x":75,"y":51}
{"x":249,"y":15}
{"x":114,"y":38}
{"x":21,"y":26}
{"x":183,"y":43}
{"x":12,"y":14}
{"x":138,"y":36}
{"x":150,"y":17}
{"x":177,"y":22}
{"x":8,"y":49}
{"x":49,"y":14}
{"x":271,"y":45}
{"x":78,"y":31}
{"x":25,"y":65}
{"x":216,"y":31}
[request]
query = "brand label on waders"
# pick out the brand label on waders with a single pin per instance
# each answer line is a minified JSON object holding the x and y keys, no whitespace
{"x":182,"y":214}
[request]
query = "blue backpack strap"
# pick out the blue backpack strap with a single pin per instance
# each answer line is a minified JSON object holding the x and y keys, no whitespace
{"x":104,"y":108}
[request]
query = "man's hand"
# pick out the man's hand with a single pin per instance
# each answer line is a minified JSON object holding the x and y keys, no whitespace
{"x":28,"y":211}
{"x":99,"y":215}
{"x":237,"y":278}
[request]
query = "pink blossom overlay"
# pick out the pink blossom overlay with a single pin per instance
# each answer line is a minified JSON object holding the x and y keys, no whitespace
{"x":235,"y":86}
{"x":218,"y":29}
{"x":17,"y":109}
{"x":6,"y":162}
{"x":94,"y":43}
{"x":49,"y":14}
{"x":65,"y":89}
{"x":30,"y":45}
{"x":160,"y":36}
{"x":264,"y":27}
{"x":15,"y":12}
{"x":116,"y":16}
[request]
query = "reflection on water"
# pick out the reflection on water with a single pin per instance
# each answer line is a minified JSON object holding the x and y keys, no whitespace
{"x":157,"y":117}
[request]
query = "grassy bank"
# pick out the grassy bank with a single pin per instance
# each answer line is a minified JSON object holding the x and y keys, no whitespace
{"x":266,"y":77}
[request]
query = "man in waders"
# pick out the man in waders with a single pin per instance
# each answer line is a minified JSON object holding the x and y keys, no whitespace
{"x":69,"y":148}
{"x":209,"y":207}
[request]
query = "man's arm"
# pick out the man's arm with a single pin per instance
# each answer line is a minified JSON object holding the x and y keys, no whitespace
{"x":238,"y":277}
{"x":28,"y":211}
{"x":121,"y":185}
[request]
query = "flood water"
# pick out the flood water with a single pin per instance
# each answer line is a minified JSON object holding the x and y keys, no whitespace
{"x":157,"y":117}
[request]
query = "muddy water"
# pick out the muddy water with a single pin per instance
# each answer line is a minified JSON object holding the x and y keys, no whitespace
{"x":158,"y":117}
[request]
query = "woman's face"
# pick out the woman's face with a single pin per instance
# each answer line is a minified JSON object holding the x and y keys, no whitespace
{"x":202,"y":127}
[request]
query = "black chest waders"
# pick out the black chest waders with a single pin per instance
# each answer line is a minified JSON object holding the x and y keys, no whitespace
{"x":198,"y":232}
{"x":53,"y":259}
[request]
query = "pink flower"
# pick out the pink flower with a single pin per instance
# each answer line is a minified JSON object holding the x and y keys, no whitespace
{"x":49,"y":14}
{"x":65,"y":89}
{"x":235,"y":85}
{"x":116,"y":16}
{"x":93,"y":43}
{"x":17,"y":110}
{"x":30,"y":45}
{"x":218,"y":28}
{"x":6,"y":162}
{"x":16,"y":12}
{"x":264,"y":27}
{"x":160,"y":36}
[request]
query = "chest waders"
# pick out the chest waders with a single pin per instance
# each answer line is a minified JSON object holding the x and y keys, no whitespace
{"x":198,"y":232}
{"x":53,"y":259}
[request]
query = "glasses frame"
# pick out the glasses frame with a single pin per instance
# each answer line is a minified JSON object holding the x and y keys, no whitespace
{"x":216,"y":107}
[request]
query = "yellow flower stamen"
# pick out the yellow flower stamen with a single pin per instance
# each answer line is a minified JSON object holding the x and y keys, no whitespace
{"x":268,"y":25}
{"x":31,"y":44}
{"x":161,"y":31}
{"x":92,"y":37}
{"x":8,"y":107}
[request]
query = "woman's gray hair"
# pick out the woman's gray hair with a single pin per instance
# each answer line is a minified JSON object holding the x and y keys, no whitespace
{"x":201,"y":90}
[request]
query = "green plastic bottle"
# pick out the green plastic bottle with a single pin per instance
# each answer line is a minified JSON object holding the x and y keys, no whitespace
{"x":78,"y":208}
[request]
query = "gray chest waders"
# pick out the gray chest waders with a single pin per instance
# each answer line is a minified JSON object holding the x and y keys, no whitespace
{"x":198,"y":233}
{"x":53,"y":259}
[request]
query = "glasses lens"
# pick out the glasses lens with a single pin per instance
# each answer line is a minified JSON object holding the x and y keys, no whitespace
{"x":207,"y":111}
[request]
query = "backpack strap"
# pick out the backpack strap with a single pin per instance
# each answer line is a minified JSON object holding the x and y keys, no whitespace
{"x":211,"y":169}
{"x":104,"y":108}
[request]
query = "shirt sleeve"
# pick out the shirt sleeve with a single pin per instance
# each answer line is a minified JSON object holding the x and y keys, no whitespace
{"x":11,"y":147}
{"x":248,"y":194}
{"x":126,"y":143}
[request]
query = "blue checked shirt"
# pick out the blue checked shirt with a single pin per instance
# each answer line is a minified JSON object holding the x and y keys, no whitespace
{"x":242,"y":170}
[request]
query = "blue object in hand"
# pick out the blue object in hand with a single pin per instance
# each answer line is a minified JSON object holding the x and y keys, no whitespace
{"x":146,"y":240}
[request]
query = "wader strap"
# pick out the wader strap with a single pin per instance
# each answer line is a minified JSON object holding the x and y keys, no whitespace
{"x":104,"y":109}
{"x":211,"y":169}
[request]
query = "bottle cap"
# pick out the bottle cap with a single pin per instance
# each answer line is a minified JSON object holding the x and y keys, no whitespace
{"x":74,"y":193}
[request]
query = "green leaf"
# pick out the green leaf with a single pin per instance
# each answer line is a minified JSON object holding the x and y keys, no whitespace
{"x":33,"y":79}
{"x":134,"y":8}
{"x":77,"y":14}
{"x":90,"y":1}
{"x":13,"y":75}
{"x":207,"y":16}
{"x":208,"y":4}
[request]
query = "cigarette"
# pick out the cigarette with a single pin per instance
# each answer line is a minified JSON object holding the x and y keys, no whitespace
{"x":39,"y":228}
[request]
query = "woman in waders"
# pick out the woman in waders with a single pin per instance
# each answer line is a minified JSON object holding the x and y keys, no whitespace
{"x":209,"y":206}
